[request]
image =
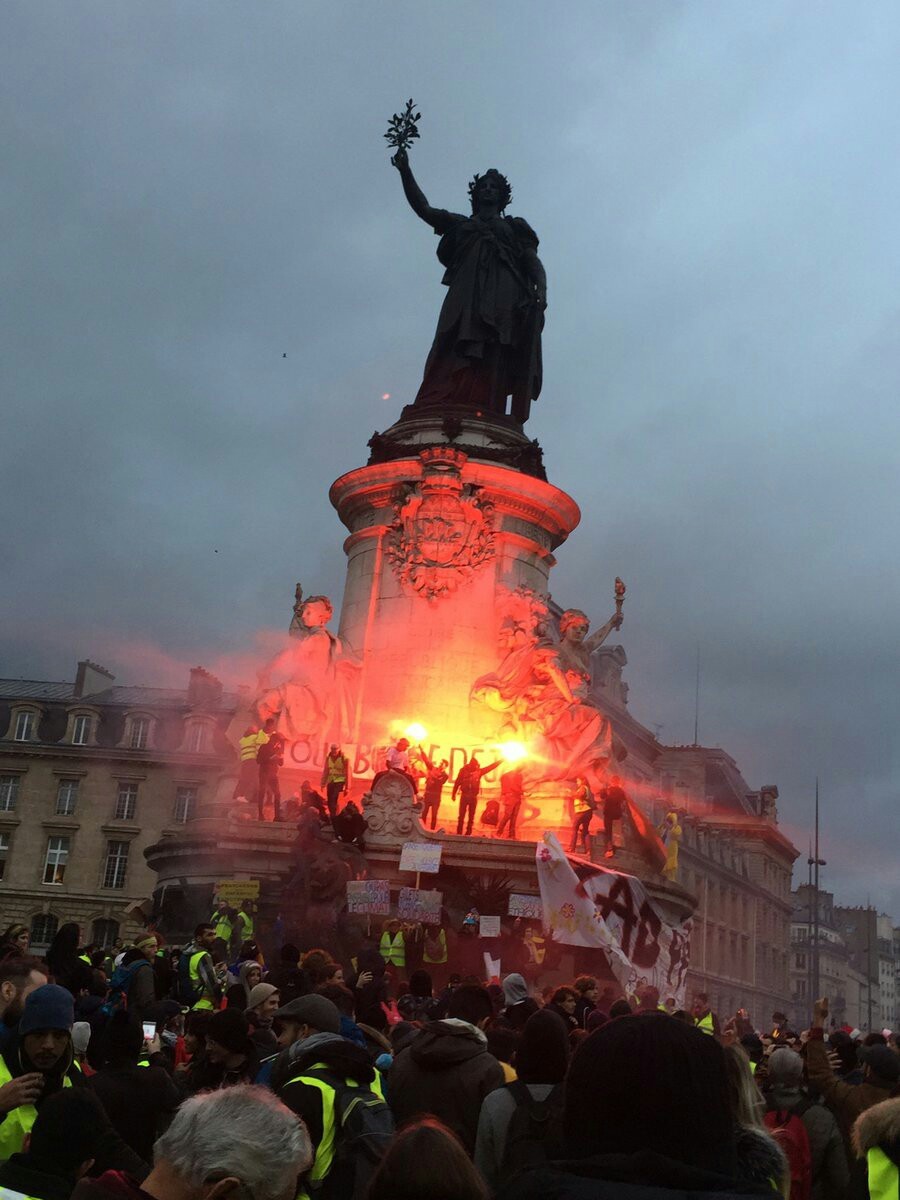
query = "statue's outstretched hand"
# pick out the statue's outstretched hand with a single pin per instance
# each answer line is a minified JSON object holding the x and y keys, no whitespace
{"x":400,"y":160}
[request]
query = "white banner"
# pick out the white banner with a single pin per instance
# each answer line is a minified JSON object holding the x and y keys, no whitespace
{"x":588,"y":905}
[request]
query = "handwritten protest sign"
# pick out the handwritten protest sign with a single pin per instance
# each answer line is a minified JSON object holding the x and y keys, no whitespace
{"x":416,"y":904}
{"x":421,"y":857}
{"x":488,"y":926}
{"x":529,"y":907}
{"x":371,"y":896}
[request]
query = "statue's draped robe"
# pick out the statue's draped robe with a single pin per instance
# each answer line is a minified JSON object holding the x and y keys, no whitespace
{"x":488,"y":340}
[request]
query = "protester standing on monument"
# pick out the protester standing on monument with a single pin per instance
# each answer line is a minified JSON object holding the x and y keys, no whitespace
{"x":583,"y":808}
{"x":269,"y":758}
{"x":614,"y":804}
{"x":468,"y":786}
{"x":335,"y":777}
{"x":248,"y":774}
{"x":511,"y":796}
{"x":437,"y":776}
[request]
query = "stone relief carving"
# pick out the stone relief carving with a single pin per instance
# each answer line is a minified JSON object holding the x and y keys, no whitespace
{"x":543,"y":700}
{"x":388,"y":809}
{"x":442,"y":531}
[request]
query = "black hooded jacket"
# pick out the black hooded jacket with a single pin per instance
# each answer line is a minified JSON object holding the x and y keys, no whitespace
{"x":345,"y":1059}
{"x":446,"y":1072}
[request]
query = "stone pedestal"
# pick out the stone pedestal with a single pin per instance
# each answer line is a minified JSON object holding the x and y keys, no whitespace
{"x":436,"y":537}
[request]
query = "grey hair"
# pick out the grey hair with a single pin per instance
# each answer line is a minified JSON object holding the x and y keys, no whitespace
{"x":240,"y":1131}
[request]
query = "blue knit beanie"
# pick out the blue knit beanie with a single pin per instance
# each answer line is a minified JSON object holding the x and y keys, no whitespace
{"x":48,"y":1007}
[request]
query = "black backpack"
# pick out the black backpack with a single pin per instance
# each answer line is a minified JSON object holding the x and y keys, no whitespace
{"x":365,"y":1130}
{"x":534,"y":1133}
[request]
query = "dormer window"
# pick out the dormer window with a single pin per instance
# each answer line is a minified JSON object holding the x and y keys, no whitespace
{"x":198,"y":735}
{"x":139,"y":734}
{"x":81,"y":730}
{"x":82,"y":726}
{"x":25,"y":724}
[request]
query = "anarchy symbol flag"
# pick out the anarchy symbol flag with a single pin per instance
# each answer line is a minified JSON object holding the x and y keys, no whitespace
{"x":589,"y":905}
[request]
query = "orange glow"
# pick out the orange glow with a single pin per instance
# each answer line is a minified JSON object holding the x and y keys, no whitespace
{"x":417,"y":732}
{"x":385,"y":395}
{"x":513,"y":751}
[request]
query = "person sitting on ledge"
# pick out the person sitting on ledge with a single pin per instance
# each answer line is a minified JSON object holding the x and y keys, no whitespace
{"x":350,"y":826}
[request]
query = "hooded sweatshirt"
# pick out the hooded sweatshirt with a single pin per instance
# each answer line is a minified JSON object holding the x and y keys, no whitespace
{"x":446,"y":1072}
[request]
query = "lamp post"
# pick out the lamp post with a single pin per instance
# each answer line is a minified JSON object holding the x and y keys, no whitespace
{"x":814,"y":863}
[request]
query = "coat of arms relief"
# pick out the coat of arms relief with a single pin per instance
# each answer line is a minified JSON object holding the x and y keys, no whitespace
{"x":442,"y":531}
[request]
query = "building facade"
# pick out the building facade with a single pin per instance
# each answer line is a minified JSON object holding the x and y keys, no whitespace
{"x":858,"y":961}
{"x":737,"y":863}
{"x":91,"y":774}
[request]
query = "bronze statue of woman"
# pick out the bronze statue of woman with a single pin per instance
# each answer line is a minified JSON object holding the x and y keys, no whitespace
{"x":487,"y":347}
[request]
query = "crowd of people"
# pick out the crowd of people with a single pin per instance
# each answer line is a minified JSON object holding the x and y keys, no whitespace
{"x":144,"y":1072}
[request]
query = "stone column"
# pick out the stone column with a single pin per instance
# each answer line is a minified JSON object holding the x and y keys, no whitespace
{"x":434,"y":539}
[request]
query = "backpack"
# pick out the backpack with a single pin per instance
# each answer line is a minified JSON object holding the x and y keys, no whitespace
{"x":789,"y":1132}
{"x":119,"y":985}
{"x":365,"y":1130}
{"x":491,"y":814}
{"x":534,"y":1130}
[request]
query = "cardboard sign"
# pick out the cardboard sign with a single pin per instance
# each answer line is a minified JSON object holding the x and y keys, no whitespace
{"x":416,"y":904}
{"x":488,"y":926}
{"x":529,"y":907}
{"x":420,"y":857}
{"x":491,"y":968}
{"x":371,"y":896}
{"x":233,"y":891}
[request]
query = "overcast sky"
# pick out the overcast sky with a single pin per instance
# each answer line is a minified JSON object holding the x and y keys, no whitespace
{"x":191,"y":191}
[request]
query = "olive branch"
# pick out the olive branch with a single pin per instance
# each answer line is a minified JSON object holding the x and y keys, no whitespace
{"x":402,"y":129}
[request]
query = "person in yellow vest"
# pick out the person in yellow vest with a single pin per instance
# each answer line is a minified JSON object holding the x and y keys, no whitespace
{"x":248,"y":772}
{"x":199,"y":973}
{"x":322,"y":1068}
{"x":704,"y":1018}
{"x":583,"y":808}
{"x":222,"y":921}
{"x":876,"y":1144}
{"x":670,"y":834}
{"x":393,"y":944}
{"x":335,"y":777}
{"x":435,"y":945}
{"x":37,"y":1063}
{"x":242,"y":927}
{"x":61,"y":1148}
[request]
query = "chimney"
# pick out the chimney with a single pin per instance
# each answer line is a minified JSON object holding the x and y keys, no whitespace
{"x":204,"y":690}
{"x":91,"y":678}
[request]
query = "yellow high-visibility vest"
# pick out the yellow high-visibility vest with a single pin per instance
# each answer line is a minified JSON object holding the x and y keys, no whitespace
{"x":206,"y":1000}
{"x":223,"y":925}
{"x":393,"y":950}
{"x":705,"y":1024}
{"x":17,"y":1125}
{"x":325,"y":1149}
{"x":884,"y":1178}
